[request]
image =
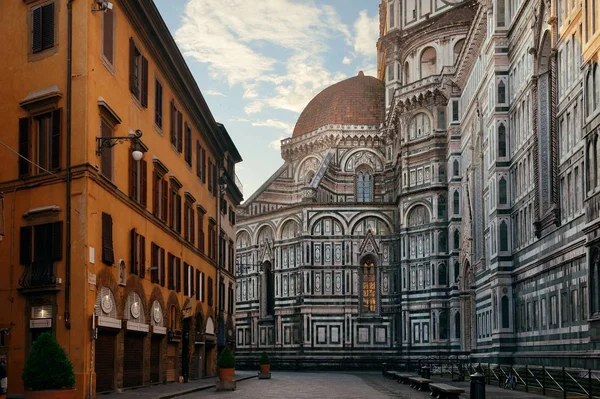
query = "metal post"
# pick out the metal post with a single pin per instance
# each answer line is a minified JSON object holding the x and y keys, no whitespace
{"x":590,"y":396}
{"x":526,"y":378}
{"x":543,"y":380}
{"x":564,"y":382}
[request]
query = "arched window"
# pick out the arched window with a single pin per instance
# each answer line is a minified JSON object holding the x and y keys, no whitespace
{"x":503,"y":236}
{"x":418,"y":216}
{"x":428,"y":62}
{"x":457,"y":49}
{"x":501,"y":92}
{"x":456,"y":205}
{"x":441,"y":243}
{"x":443,"y":324}
{"x":456,"y":239}
{"x":406,"y":73}
{"x":457,"y":325}
{"x":420,"y":126}
{"x":455,"y":168}
{"x":503,"y":198}
{"x":369,"y":292}
{"x":442,"y":274}
{"x":441,"y":207}
{"x":456,"y":271}
{"x":364,"y":186}
{"x":505,"y":312}
{"x":501,"y":140}
{"x":269,"y":281}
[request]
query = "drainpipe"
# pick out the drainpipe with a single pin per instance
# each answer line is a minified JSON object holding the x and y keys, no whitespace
{"x":67,"y":315}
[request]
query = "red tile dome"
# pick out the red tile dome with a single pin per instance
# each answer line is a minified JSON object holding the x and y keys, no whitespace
{"x":359,"y":100}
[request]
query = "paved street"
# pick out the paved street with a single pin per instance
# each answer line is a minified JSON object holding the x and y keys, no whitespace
{"x":326,"y":385}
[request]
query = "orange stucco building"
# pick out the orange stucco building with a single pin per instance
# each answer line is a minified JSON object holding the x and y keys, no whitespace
{"x":117,"y":257}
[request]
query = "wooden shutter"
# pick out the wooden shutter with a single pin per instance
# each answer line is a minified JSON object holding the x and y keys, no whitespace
{"x":162,"y":266}
{"x":144,"y":98}
{"x":133,"y":265}
{"x":203,"y":165}
{"x":178,"y":274}
{"x":158,"y":104}
{"x":186,"y":285}
{"x":155,"y":193}
{"x":178,"y":213}
{"x":36,"y":30}
{"x":153,"y":263}
{"x":23,"y":146}
{"x":173,"y":120}
{"x":192,"y":226}
{"x":133,"y":178}
{"x":179,"y":132}
{"x":55,"y":149}
{"x":197,"y":285}
{"x":186,"y":219}
{"x":171,"y":208}
{"x":198,"y":159}
{"x":190,"y":277}
{"x":142,"y":257}
{"x":165,"y":200}
{"x":144,"y":182}
{"x":56,"y":241}
{"x":108,"y":32}
{"x":25,"y":244}
{"x":202,"y":281}
{"x":210,"y":292}
{"x":107,"y":245}
{"x":48,"y":26}
{"x":132,"y":83}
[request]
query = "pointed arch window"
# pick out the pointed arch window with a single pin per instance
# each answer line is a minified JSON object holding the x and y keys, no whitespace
{"x":501,"y":140}
{"x":428,"y":62}
{"x":456,"y":271}
{"x":501,"y":92}
{"x":505,"y":312}
{"x":406,"y":73}
{"x":441,"y":207}
{"x":502,"y":194}
{"x":501,"y":13}
{"x":456,"y":204}
{"x":441,"y":243}
{"x":442,"y":173}
{"x":369,"y":293}
{"x":364,"y":186}
{"x":455,"y":168}
{"x":503,"y":236}
{"x":456,"y":239}
{"x":269,"y":281}
{"x":443,"y":324}
{"x":457,"y":325}
{"x":442,"y":274}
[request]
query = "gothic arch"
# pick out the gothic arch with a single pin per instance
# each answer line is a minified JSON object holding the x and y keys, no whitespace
{"x":303,"y":166}
{"x":337,"y":217}
{"x":243,"y":237}
{"x":350,"y":164}
{"x":360,"y":217}
{"x":283,"y":224}
{"x":134,"y":284}
{"x":413,"y":214}
{"x":266,"y":225}
{"x":416,"y":204}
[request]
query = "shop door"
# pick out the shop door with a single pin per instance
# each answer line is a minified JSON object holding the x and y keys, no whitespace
{"x":155,"y":360}
{"x":105,"y":363}
{"x":133,"y":361}
{"x":171,"y":362}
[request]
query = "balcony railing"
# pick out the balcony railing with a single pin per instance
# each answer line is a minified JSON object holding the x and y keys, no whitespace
{"x":39,"y":275}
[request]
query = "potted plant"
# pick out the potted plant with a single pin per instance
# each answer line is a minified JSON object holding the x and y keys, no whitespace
{"x":265,"y":363}
{"x":226,"y":364}
{"x":48,"y":372}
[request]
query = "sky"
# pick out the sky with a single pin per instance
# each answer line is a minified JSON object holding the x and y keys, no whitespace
{"x":259,"y":62}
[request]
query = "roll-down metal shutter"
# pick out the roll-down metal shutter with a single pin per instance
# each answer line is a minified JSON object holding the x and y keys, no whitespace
{"x":133,"y":361}
{"x":105,"y":362}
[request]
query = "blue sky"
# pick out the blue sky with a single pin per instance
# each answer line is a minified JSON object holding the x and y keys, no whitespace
{"x":259,"y":62}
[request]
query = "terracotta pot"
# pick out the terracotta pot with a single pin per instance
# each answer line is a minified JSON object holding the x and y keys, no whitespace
{"x":54,"y":394}
{"x":265,"y":368}
{"x":226,"y":374}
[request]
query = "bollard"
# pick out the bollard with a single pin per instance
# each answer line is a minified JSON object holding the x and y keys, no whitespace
{"x":426,"y":372}
{"x":477,"y":386}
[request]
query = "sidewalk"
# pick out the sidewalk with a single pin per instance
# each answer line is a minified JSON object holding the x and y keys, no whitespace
{"x":168,"y":391}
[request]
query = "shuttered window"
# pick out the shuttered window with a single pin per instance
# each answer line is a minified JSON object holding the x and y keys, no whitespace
{"x":158,"y":104}
{"x":188,"y":144}
{"x":40,"y":244}
{"x":42,"y":28}
{"x":178,"y":274}
{"x":198,"y":159}
{"x":138,"y":74}
{"x":188,"y":282}
{"x":171,"y":283}
{"x":138,"y":254}
{"x":176,"y":128}
{"x":198,"y":284}
{"x":189,"y":225}
{"x":160,"y":196}
{"x":210,"y":291}
{"x":107,"y":241}
{"x":212,"y":240}
{"x":108,"y":36}
{"x":138,"y":180}
{"x":106,"y":159}
{"x":175,"y":209}
{"x":39,"y":142}
{"x":200,"y":230}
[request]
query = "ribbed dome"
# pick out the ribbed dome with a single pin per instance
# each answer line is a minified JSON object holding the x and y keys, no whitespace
{"x":356,"y":101}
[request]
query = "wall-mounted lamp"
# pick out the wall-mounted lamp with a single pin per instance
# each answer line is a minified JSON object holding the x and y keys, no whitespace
{"x":102,"y":5}
{"x":109,"y":142}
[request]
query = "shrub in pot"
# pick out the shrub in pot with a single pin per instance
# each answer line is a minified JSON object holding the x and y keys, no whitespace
{"x":226,"y":364}
{"x":265,"y":363}
{"x":48,"y":372}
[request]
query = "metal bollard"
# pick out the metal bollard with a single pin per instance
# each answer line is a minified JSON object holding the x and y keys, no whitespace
{"x":477,"y":386}
{"x":426,"y":372}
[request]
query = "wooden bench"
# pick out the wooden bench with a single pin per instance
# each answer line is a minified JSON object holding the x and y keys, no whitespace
{"x":421,"y":384}
{"x":403,"y":377}
{"x":391,"y":374}
{"x":445,"y":391}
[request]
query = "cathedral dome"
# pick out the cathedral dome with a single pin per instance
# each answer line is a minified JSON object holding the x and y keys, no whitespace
{"x":359,"y":100}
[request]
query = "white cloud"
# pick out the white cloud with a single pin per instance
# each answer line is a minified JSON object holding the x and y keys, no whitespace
{"x":235,"y":38}
{"x":239,"y":120}
{"x":275,"y":124}
{"x":276,"y":144}
{"x":346,"y":61}
{"x":212,"y":92}
{"x":366,"y":30}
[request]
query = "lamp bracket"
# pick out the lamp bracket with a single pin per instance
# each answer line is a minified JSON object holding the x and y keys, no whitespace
{"x":109,"y":142}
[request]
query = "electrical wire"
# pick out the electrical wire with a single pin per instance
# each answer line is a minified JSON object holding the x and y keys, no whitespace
{"x":27,"y":159}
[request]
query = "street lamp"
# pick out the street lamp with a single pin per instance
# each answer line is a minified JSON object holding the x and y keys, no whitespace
{"x":134,"y":137}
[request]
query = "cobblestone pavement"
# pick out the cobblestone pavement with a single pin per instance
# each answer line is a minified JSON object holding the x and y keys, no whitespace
{"x":328,"y":385}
